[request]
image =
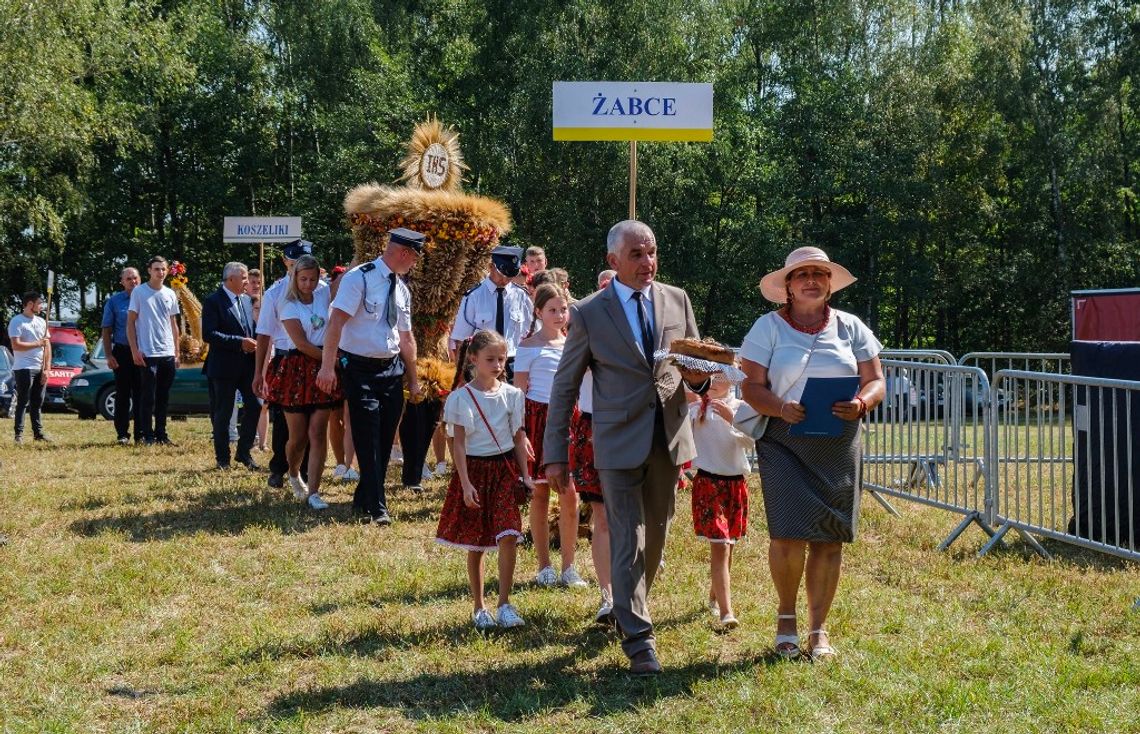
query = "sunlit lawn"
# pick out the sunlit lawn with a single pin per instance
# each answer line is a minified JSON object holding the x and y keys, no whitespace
{"x":142,"y":591}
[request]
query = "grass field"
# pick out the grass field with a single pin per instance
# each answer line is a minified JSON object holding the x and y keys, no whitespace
{"x":142,"y":591}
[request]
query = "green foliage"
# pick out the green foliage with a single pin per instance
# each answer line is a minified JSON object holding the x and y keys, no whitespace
{"x":971,"y":161}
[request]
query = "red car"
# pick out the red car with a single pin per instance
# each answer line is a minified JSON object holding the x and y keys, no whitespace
{"x":68,"y":346}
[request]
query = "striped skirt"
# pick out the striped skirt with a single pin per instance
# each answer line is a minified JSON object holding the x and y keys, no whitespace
{"x":811,"y":484}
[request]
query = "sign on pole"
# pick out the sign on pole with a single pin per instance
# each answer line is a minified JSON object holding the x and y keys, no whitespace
{"x":633,"y":111}
{"x":261,"y":229}
{"x":658,"y":111}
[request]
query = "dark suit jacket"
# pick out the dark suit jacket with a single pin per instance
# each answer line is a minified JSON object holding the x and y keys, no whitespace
{"x":626,"y":388}
{"x":222,"y":329}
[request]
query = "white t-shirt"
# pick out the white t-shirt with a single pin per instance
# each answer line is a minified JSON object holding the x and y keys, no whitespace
{"x":272,"y":303}
{"x":363,"y":295}
{"x":774,"y":344}
{"x":29,"y":330}
{"x":720,"y":447}
{"x":505,"y":411}
{"x":152,"y":325}
{"x":314,"y":317}
{"x":540,"y":364}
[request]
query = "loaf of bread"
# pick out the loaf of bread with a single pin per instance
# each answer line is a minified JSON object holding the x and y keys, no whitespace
{"x":708,"y":349}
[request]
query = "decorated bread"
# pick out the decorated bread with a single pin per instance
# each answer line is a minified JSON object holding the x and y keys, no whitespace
{"x":708,"y":349}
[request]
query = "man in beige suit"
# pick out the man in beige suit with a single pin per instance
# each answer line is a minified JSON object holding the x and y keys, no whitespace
{"x":641,"y":428}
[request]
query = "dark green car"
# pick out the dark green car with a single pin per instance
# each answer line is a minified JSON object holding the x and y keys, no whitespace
{"x":92,"y":393}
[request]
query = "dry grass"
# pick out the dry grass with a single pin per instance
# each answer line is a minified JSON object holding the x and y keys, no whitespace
{"x":140,"y":591}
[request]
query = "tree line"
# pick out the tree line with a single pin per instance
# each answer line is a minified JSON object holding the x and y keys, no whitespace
{"x":972,"y":161}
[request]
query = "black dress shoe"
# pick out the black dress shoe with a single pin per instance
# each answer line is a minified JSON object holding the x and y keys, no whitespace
{"x":164,"y":441}
{"x":381,"y":518}
{"x":249,"y":463}
{"x":644,"y":663}
{"x":277,"y":481}
{"x":222,"y":466}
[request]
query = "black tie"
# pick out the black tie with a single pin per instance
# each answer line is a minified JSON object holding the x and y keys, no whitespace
{"x":392,"y":300}
{"x":646,"y":335}
{"x":241,"y":314}
{"x":499,"y":317}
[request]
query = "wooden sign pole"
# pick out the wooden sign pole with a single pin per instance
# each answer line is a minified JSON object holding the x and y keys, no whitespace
{"x":633,"y":179}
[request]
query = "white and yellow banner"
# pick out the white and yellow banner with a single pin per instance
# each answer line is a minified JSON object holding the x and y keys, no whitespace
{"x":633,"y":111}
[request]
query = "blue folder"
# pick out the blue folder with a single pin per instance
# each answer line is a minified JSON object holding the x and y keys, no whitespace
{"x":820,"y":393}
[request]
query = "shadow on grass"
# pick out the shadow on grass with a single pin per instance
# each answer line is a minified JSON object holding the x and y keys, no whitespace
{"x":404,"y":597}
{"x":216,"y":512}
{"x":512,"y":693}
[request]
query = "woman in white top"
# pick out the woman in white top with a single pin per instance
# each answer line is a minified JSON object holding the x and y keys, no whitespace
{"x":810,"y":484}
{"x":292,"y":383}
{"x":536,"y":361}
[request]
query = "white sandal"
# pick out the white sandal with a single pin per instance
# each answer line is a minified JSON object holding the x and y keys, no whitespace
{"x":820,"y":653}
{"x":787,"y":653}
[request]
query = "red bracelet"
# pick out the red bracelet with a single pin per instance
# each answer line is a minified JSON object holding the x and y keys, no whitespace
{"x":862,"y":406}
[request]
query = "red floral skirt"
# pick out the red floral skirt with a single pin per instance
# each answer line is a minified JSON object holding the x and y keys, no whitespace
{"x":535,"y":424}
{"x":291,"y":382}
{"x":582,"y":470}
{"x":720,"y":507}
{"x":480,"y":528}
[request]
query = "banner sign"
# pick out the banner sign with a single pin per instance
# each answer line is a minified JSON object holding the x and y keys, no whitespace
{"x":633,"y":111}
{"x":261,"y":229}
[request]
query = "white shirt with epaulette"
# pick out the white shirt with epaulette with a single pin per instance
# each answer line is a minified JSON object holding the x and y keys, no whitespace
{"x":477,"y":312}
{"x":363,"y":295}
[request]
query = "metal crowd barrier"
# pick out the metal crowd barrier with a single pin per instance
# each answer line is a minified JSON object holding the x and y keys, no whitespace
{"x":937,"y":356}
{"x":913,"y":445}
{"x":1067,"y":461}
{"x":1055,"y":363}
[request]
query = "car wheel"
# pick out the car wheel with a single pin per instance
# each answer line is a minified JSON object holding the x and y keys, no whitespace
{"x":105,"y":403}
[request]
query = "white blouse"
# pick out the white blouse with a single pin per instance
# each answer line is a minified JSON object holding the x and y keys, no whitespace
{"x":774,"y":344}
{"x":540,"y":364}
{"x":504,"y":409}
{"x":720,"y":447}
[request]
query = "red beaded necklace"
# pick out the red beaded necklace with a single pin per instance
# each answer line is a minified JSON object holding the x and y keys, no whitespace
{"x":786,"y":312}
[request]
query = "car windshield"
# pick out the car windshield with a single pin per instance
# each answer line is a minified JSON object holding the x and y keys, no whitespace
{"x":67,"y":355}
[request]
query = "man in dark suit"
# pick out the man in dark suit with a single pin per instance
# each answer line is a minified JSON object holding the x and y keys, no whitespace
{"x":228,"y":326}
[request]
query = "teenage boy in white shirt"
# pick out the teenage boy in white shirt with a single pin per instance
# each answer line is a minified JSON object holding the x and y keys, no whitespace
{"x":152,"y":330}
{"x":31,"y":357}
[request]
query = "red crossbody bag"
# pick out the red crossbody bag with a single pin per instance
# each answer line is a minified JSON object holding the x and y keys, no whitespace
{"x":520,"y":491}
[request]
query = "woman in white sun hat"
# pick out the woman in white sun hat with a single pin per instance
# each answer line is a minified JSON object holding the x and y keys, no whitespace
{"x":810,"y":484}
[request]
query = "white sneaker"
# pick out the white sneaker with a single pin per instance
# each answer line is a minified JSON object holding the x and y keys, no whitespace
{"x":317,"y":503}
{"x":440,"y":468}
{"x":339,"y":472}
{"x":483,"y":620}
{"x":546,"y":577}
{"x":571,"y":579}
{"x":714,"y":608}
{"x":427,"y":474}
{"x":351,"y":475}
{"x":606,"y":610}
{"x":509,"y":616}
{"x":300,"y":489}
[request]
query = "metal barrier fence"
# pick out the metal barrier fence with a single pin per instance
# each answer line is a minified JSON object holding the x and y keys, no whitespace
{"x":937,"y":356}
{"x":926,"y":441}
{"x":1055,"y":363}
{"x":1067,"y":461}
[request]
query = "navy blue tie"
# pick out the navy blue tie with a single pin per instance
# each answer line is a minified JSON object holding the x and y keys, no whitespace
{"x":643,"y":320}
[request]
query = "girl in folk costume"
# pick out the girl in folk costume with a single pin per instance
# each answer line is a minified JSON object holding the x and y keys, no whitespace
{"x":720,"y":493}
{"x":536,"y":361}
{"x":481,"y":511}
{"x":292,"y":384}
